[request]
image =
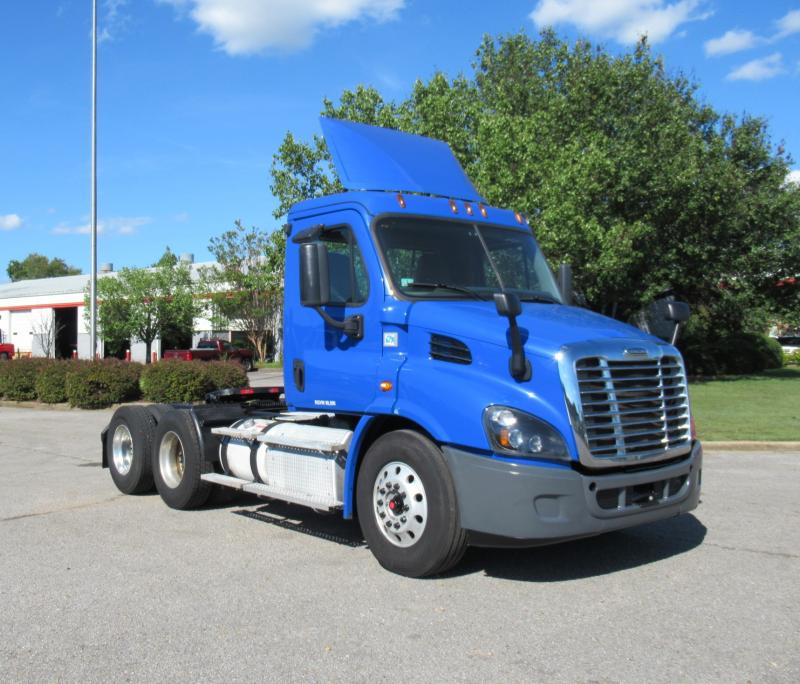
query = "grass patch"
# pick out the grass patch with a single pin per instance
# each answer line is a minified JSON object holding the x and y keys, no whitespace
{"x":268,"y":364}
{"x":763,"y":406}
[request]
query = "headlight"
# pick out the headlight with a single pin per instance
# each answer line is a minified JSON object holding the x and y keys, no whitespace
{"x":520,"y":434}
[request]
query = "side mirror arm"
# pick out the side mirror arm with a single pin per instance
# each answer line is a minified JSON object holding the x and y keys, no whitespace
{"x":509,"y":306}
{"x":353,"y":326}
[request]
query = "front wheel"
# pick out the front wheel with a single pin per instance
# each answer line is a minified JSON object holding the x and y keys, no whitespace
{"x":407,"y":506}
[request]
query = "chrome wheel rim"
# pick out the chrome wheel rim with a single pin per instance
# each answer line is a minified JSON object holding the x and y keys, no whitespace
{"x":171,"y":460}
{"x":122,"y":449}
{"x":400,"y":504}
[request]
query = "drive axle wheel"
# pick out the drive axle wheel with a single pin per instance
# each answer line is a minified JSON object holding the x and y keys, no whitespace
{"x":128,"y":444}
{"x":407,"y":506}
{"x":178,"y":462}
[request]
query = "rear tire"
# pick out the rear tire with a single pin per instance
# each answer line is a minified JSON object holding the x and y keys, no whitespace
{"x":178,"y":462}
{"x":3,"y":356}
{"x":129,"y":444}
{"x":423,"y":535}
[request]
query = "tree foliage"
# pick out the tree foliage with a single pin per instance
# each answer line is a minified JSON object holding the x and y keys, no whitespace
{"x":146,"y":303}
{"x":623,"y":170}
{"x":245,"y":287}
{"x":39,"y":266}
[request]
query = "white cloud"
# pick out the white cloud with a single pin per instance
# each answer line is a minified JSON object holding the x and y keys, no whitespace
{"x":730,"y":42}
{"x":243,"y":27}
{"x":120,"y":225}
{"x":788,"y":24}
{"x":758,"y":69}
{"x":181,"y":217}
{"x":114,"y":21}
{"x":793,"y":177}
{"x":10,"y":221}
{"x":623,"y":20}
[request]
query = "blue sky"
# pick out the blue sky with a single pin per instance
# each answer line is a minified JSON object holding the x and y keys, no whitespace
{"x":196,"y":95}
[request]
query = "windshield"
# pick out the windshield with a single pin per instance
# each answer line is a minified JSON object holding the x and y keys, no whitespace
{"x":437,"y":259}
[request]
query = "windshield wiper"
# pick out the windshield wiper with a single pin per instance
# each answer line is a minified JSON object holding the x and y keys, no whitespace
{"x":544,"y":298}
{"x":446,"y":286}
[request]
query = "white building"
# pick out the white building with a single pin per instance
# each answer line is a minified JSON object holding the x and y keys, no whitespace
{"x":45,"y":317}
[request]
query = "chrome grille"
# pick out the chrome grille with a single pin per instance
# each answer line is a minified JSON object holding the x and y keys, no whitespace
{"x":633,"y":409}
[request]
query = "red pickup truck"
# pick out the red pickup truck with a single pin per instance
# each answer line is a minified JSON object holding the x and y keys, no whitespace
{"x":6,"y":351}
{"x":213,"y":350}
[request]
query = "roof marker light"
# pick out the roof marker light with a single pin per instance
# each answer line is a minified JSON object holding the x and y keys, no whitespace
{"x":401,"y":200}
{"x":483,"y":211}
{"x":518,"y":216}
{"x":468,"y":208}
{"x":453,"y":206}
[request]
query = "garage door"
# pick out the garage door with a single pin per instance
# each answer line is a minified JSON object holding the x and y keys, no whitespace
{"x":21,"y":334}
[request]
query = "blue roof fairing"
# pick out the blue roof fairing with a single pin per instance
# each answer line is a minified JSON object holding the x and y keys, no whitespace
{"x":374,"y":158}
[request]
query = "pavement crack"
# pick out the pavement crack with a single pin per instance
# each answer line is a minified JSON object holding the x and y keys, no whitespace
{"x":64,"y":509}
{"x":761,"y":552}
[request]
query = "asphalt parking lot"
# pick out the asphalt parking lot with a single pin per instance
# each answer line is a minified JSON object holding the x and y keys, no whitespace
{"x":96,"y":586}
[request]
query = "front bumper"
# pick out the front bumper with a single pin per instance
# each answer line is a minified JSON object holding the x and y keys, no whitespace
{"x":502,"y":502}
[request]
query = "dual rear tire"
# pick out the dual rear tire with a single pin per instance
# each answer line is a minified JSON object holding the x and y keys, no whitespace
{"x":157,"y":447}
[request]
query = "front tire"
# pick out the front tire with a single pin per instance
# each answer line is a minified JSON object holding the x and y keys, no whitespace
{"x":129,"y":443}
{"x":178,"y":462}
{"x":407,"y":506}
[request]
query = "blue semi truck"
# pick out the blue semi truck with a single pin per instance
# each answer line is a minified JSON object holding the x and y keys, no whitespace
{"x":438,"y":385}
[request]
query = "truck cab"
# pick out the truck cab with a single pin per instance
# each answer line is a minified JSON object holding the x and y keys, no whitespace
{"x":435,"y":366}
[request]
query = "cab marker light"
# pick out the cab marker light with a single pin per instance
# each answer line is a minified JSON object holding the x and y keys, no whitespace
{"x":401,"y":200}
{"x":453,"y":206}
{"x":483,"y":211}
{"x":468,"y":208}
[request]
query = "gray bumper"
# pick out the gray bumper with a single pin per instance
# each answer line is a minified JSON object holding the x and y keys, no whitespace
{"x":541,"y":505}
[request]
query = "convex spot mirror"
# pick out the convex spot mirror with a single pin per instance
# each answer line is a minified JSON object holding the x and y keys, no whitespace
{"x":508,"y":304}
{"x":315,"y":286}
{"x":678,"y":312}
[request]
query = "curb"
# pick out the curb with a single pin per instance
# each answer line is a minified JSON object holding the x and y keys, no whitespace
{"x":750,"y":445}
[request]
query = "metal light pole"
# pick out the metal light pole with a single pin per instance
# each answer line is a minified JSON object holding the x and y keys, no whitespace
{"x":93,"y":286}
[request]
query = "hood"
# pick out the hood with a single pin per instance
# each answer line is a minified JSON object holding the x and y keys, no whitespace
{"x":545,"y":328}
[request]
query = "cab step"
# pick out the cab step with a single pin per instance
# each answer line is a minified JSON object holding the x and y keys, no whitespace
{"x":273,"y":492}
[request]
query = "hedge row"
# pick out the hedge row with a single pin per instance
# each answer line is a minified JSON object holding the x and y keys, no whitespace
{"x":735,"y":355}
{"x":179,"y":381}
{"x":97,"y":384}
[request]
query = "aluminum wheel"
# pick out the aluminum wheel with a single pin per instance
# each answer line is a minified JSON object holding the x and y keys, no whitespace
{"x":171,"y":459}
{"x":400,"y":502}
{"x":122,"y":449}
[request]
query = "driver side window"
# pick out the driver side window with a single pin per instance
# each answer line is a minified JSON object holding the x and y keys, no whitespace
{"x":348,"y":274}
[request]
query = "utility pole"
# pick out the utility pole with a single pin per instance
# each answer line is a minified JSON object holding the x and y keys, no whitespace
{"x":93,"y":286}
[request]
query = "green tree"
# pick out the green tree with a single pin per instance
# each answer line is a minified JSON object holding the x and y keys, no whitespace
{"x":621,"y":168}
{"x":39,"y":266}
{"x":146,"y":303}
{"x":245,"y":287}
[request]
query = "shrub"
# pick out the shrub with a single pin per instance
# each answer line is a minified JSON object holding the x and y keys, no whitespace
{"x":51,"y":383}
{"x":19,"y":378}
{"x":175,"y":380}
{"x":224,"y":374}
{"x":733,"y":355}
{"x":789,"y":359}
{"x":97,"y":384}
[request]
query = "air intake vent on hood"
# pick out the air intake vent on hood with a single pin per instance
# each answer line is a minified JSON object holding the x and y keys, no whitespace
{"x":448,"y":349}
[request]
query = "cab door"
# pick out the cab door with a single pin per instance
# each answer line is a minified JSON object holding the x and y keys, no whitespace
{"x":328,"y":370}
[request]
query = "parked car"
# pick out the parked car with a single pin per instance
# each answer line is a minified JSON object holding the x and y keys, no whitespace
{"x":6,"y":351}
{"x":790,"y":344}
{"x":213,"y":350}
